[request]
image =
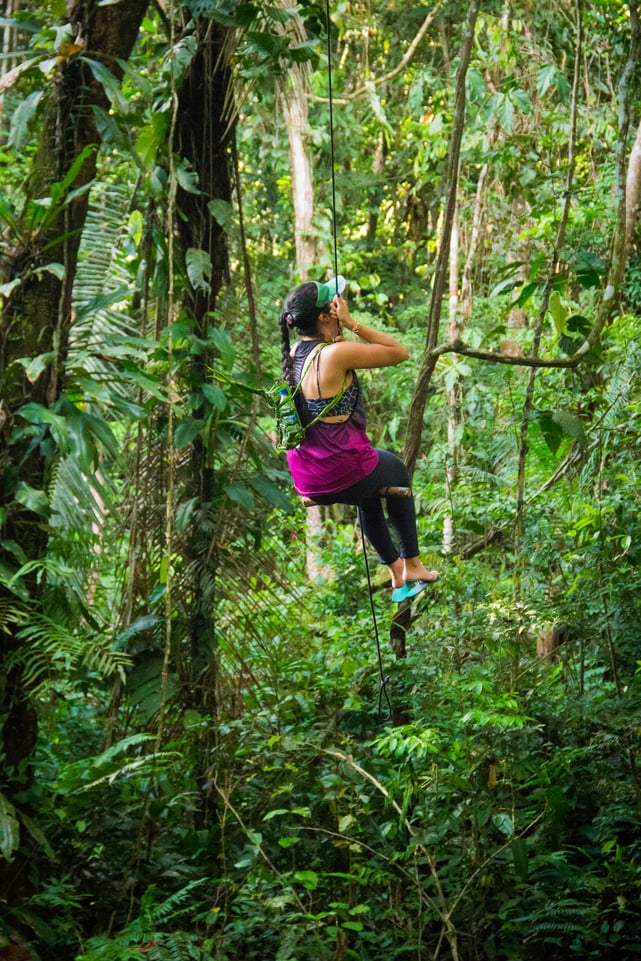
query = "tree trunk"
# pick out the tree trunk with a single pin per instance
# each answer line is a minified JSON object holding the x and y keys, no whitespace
{"x":294,"y":105}
{"x":419,"y":399}
{"x":292,"y":96}
{"x":466,"y":282}
{"x":453,"y":392}
{"x":632,"y":192}
{"x":293,"y":99}
{"x":204,"y":135}
{"x":37,"y":316}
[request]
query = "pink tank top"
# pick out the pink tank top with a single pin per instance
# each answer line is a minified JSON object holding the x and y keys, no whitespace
{"x":332,"y":457}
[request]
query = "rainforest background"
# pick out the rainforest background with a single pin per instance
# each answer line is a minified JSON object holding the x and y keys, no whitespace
{"x":212,"y":746}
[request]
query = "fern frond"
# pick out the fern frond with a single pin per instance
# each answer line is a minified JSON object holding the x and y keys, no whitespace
{"x":563,"y":918}
{"x":172,"y":906}
{"x":10,"y":615}
{"x":50,"y":652}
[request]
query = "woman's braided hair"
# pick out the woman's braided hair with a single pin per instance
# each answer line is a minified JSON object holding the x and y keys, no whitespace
{"x":299,"y":311}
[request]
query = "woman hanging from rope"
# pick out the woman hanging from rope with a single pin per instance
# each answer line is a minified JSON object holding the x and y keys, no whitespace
{"x":336,"y":463}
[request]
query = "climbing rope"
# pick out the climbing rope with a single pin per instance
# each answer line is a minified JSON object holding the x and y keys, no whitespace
{"x":383,"y":680}
{"x":331,"y":133}
{"x":382,"y":687}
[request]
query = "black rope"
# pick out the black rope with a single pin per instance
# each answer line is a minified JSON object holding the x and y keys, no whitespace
{"x":382,"y":690}
{"x":331,"y":133}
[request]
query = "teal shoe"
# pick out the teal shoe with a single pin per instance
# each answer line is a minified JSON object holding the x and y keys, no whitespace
{"x":410,"y":589}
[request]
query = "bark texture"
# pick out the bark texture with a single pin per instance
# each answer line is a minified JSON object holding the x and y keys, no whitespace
{"x":36,"y":320}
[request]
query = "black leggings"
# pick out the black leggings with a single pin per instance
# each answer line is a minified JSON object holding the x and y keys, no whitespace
{"x":389,"y":472}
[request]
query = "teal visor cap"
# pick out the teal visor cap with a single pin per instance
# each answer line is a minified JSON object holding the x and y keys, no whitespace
{"x":328,"y":291}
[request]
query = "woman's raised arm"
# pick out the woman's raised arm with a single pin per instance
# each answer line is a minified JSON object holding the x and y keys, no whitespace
{"x":377,"y":350}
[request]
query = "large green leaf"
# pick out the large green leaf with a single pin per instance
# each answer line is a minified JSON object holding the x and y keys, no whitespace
{"x":9,"y":828}
{"x":19,"y":133}
{"x":199,"y":268}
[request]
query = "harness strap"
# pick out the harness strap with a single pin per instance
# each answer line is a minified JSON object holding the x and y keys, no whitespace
{"x":334,"y":401}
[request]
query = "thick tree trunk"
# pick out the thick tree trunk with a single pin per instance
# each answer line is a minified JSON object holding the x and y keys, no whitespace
{"x":204,"y":135}
{"x":37,"y":316}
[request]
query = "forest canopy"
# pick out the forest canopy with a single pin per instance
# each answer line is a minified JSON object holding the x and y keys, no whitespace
{"x":218,"y":737}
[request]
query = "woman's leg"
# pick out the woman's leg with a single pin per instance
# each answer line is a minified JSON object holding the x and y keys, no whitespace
{"x":404,"y":562}
{"x":402,"y":515}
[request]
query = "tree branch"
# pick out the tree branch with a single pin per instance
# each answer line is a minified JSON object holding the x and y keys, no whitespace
{"x":459,"y":347}
{"x":405,"y":59}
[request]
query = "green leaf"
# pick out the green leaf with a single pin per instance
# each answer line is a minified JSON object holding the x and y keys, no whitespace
{"x":223,"y":342}
{"x":215,"y":396}
{"x":5,"y":289}
{"x":549,"y":76}
{"x":288,"y":842}
{"x":520,"y":858}
{"x":266,"y":487}
{"x":187,"y":177}
{"x":22,"y":117}
{"x":57,"y":270}
{"x":526,"y":292}
{"x":38,"y":835}
{"x":589,"y":268}
{"x":9,"y":828}
{"x":184,"y":513}
{"x":521,"y":100}
{"x":558,"y":312}
{"x":503,"y":110}
{"x":302,"y":52}
{"x":109,"y":83}
{"x":309,"y":879}
{"x":505,"y":287}
{"x":34,"y":500}
{"x":34,"y":367}
{"x":264,"y":44}
{"x":279,"y":14}
{"x":571,"y":425}
{"x":222,"y":212}
{"x":187,"y":431}
{"x":545,"y":78}
{"x":199,"y":268}
{"x":276,"y":813}
{"x":241,"y":494}
{"x":46,"y":66}
{"x":504,"y":823}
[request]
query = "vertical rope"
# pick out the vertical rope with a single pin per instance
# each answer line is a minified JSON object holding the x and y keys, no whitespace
{"x":383,"y":680}
{"x":331,"y":133}
{"x":382,"y":690}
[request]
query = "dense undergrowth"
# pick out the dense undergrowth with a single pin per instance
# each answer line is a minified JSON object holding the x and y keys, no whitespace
{"x":500,"y":819}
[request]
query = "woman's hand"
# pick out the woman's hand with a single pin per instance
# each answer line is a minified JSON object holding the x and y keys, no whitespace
{"x":342,"y":312}
{"x":373,"y":348}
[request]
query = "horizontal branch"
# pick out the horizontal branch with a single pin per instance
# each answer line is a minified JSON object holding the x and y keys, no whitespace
{"x":458,"y":347}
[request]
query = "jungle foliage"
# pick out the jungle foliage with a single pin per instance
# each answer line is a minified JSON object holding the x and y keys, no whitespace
{"x":204,"y":755}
